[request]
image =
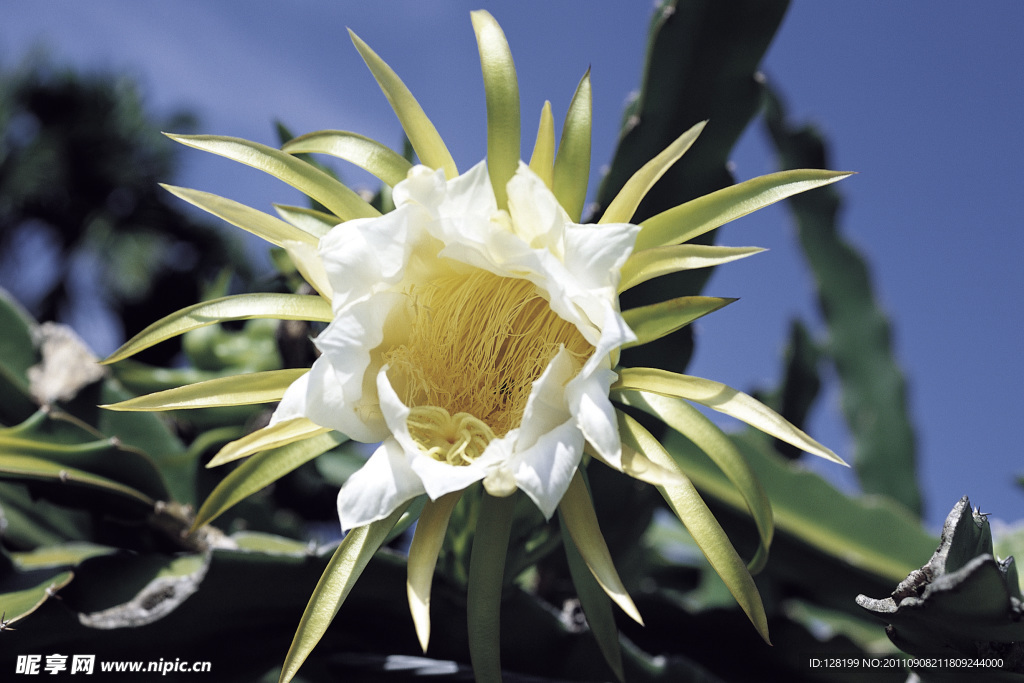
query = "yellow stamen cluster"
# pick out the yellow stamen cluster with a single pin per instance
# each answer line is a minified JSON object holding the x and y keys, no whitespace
{"x":475,"y":344}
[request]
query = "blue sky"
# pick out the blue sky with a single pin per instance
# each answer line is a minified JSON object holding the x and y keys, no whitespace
{"x":924,"y":100}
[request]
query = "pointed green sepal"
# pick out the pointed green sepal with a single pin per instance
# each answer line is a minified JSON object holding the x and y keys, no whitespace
{"x":542,"y":160}
{"x":306,"y":259}
{"x":689,"y":422}
{"x":423,"y":552}
{"x":304,"y":177}
{"x":724,"y":399}
{"x":707,"y":533}
{"x":344,"y":569}
{"x":703,"y":214}
{"x":316,"y":223}
{"x":388,"y":165}
{"x":421,"y":132}
{"x":622,"y":208}
{"x":651,"y":263}
{"x":572,"y":163}
{"x":260,"y":471}
{"x":263,"y":225}
{"x":597,"y":607}
{"x":236,"y":390}
{"x":501,"y":90}
{"x":238,"y":307}
{"x":665,"y":317}
{"x":578,"y":517}
{"x":272,"y":436}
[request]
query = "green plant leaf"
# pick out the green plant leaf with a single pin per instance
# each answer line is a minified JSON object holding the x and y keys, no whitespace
{"x":572,"y":162}
{"x":344,"y":569}
{"x":238,"y":307}
{"x":17,"y":355}
{"x":98,"y":456}
{"x":57,"y":477}
{"x":421,"y":132}
{"x":254,"y":387}
{"x":389,"y":166}
{"x":261,"y":470}
{"x":18,"y":604}
{"x":655,"y":321}
{"x":873,"y":389}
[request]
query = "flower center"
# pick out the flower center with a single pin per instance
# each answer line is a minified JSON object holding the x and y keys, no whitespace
{"x":476,"y":343}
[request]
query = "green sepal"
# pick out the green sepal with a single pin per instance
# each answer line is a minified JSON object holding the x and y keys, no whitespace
{"x":693,"y":512}
{"x":622,"y":208}
{"x":542,"y":160}
{"x":306,"y":178}
{"x":597,"y":607}
{"x":272,"y":436}
{"x":689,"y":422}
{"x":572,"y":162}
{"x":655,"y":321}
{"x":422,"y":134}
{"x":657,"y":261}
{"x":703,"y":214}
{"x":344,"y":569}
{"x":316,"y":223}
{"x":720,"y":397}
{"x":389,"y":166}
{"x":262,"y":470}
{"x":501,"y":89}
{"x":263,"y":225}
{"x":236,"y":390}
{"x":238,"y":307}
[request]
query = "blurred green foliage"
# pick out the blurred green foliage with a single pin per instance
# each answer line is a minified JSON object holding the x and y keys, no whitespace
{"x":80,"y":163}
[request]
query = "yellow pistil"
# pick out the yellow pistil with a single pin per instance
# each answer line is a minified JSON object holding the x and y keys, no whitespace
{"x":475,"y":344}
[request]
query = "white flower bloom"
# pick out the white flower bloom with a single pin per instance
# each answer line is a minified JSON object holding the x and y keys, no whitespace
{"x":475,"y":344}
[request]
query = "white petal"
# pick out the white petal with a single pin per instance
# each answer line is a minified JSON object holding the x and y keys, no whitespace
{"x":423,"y":186}
{"x":596,"y":416}
{"x":378,"y":487}
{"x":537,"y":217}
{"x":470,"y":194}
{"x":342,"y":393}
{"x":293,"y":403}
{"x":545,"y":470}
{"x":437,"y":478}
{"x":594,"y":254}
{"x":546,"y":406}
